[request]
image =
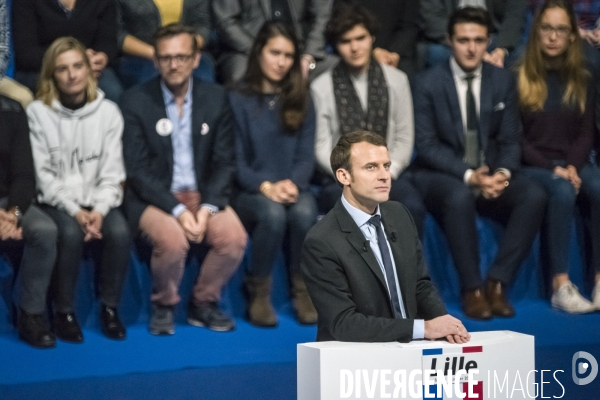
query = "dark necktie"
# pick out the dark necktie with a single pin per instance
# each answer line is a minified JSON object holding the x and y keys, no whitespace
{"x":387,"y":265}
{"x":472,"y":131}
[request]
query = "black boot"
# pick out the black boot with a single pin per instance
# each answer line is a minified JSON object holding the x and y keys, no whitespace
{"x":111,"y":324}
{"x":67,"y":328}
{"x":34,"y":331}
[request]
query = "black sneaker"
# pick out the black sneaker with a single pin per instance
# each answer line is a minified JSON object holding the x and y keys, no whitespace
{"x":162,"y":321}
{"x":209,"y":315}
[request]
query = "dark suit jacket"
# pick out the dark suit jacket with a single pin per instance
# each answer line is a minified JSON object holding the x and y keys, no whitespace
{"x":508,"y":19}
{"x":149,"y":156}
{"x":439,"y":134}
{"x":347,"y":285}
{"x":17,"y":176}
{"x":238,"y":22}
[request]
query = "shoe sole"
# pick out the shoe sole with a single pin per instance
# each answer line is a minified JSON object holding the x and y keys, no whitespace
{"x":573,"y":311}
{"x":51,"y":346}
{"x":161,"y":333}
{"x":195,"y":322}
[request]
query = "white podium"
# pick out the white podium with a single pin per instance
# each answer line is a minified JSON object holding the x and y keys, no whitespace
{"x":504,"y":362}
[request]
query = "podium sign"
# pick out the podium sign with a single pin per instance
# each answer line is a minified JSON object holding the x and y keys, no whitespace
{"x":493,"y":365}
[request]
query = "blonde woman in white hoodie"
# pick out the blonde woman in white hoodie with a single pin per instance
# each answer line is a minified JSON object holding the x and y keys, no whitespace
{"x":76,"y":142}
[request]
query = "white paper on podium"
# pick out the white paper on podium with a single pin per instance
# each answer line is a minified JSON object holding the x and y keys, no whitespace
{"x":340,"y":370}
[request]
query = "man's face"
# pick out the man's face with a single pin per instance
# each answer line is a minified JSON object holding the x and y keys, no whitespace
{"x":71,"y":74}
{"x":469,"y":44}
{"x":370,"y":181}
{"x":355,"y":47}
{"x":175,"y":59}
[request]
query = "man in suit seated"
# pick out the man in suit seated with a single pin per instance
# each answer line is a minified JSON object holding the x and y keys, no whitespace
{"x":178,"y":150}
{"x":363,"y":262}
{"x":467,"y":145}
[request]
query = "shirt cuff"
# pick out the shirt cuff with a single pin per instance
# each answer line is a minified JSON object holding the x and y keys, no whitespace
{"x":212,"y":208}
{"x":177,"y":210}
{"x":419,"y":329}
{"x":467,"y":176}
{"x":505,"y":172}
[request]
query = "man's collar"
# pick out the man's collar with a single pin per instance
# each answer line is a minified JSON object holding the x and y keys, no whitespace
{"x":360,"y":217}
{"x":170,"y":97}
{"x":459,"y":73}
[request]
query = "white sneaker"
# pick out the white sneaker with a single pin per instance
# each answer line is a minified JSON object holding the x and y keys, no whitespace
{"x":567,"y":298}
{"x":596,"y":296}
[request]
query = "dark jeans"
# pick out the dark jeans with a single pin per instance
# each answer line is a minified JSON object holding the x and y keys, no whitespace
{"x":454,"y":206}
{"x":560,"y":210}
{"x":402,"y":190}
{"x":39,"y":253}
{"x":114,"y":258}
{"x":268,"y":221}
{"x":108,"y":82}
{"x":135,"y":70}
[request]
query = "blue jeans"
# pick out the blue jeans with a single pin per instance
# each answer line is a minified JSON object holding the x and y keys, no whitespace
{"x":268,"y":222}
{"x":135,"y":70}
{"x":560,"y":209}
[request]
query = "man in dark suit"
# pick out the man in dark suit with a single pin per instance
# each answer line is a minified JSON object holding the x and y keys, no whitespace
{"x":507,"y":22}
{"x":178,"y":150}
{"x":238,"y":22}
{"x":466,"y":135}
{"x":363,"y":263}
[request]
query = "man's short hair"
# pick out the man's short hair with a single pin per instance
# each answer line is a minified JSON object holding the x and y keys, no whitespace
{"x":344,"y":18}
{"x":473,"y":15}
{"x":340,"y":156}
{"x":171,"y":30}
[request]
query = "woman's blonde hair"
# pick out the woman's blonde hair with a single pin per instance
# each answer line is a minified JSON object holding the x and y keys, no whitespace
{"x":533,"y":91}
{"x":47,"y":89}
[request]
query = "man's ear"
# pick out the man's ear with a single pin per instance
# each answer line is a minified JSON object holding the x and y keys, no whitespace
{"x":343,"y":176}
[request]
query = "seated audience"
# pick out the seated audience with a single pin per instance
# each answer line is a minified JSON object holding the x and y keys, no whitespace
{"x":397,"y":33}
{"x":19,"y":219}
{"x":507,"y":21}
{"x":137,"y":22}
{"x":556,"y":95}
{"x":275,"y":137}
{"x":467,"y":145}
{"x":238,"y":23}
{"x":9,"y":87}
{"x":179,"y":156}
{"x":36,"y":24}
{"x":76,"y":143}
{"x":358,"y":94}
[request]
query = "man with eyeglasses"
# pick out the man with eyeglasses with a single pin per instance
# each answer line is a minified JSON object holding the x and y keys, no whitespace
{"x":178,"y":150}
{"x":467,"y":145}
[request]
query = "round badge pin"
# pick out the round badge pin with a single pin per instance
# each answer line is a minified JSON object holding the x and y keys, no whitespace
{"x":164,"y":127}
{"x":204,"y":129}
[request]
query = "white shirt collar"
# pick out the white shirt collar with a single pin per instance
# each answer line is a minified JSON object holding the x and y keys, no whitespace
{"x":359,"y":216}
{"x":459,"y":73}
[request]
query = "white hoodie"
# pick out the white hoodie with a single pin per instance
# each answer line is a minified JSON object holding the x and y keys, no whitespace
{"x":78,"y":155}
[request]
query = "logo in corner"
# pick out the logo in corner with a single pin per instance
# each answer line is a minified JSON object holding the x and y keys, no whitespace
{"x":582,"y":363}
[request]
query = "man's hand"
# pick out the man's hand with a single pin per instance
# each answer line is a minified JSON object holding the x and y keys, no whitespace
{"x":305,"y":61}
{"x":494,"y":185}
{"x":8,"y":226}
{"x":190,"y":226}
{"x":383,"y":56}
{"x":202,"y":217}
{"x":496,"y":57}
{"x":447,"y":327}
{"x":98,"y":61}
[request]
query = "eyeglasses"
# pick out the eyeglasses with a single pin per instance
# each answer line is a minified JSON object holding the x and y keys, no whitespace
{"x":179,"y":59}
{"x":561,"y":31}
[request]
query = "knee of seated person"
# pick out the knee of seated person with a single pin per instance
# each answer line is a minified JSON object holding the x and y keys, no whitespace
{"x":173,"y":243}
{"x":459,"y":199}
{"x":40,"y":229}
{"x":71,"y":234}
{"x":117,"y":232}
{"x":274,"y":215}
{"x":233,"y":242}
{"x":563,"y":193}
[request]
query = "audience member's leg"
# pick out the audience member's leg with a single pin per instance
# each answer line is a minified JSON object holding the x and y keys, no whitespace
{"x":590,"y":188}
{"x":39,"y":253}
{"x":231,"y":67}
{"x":301,"y":217}
{"x":16,"y":91}
{"x":404,"y":191}
{"x":169,"y":251}
{"x":110,"y":84}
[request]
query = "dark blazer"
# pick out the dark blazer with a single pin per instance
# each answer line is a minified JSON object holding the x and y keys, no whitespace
{"x":238,"y":22}
{"x":508,"y":19}
{"x":149,"y":156}
{"x":347,"y":285}
{"x":439,"y":134}
{"x":17,"y":177}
